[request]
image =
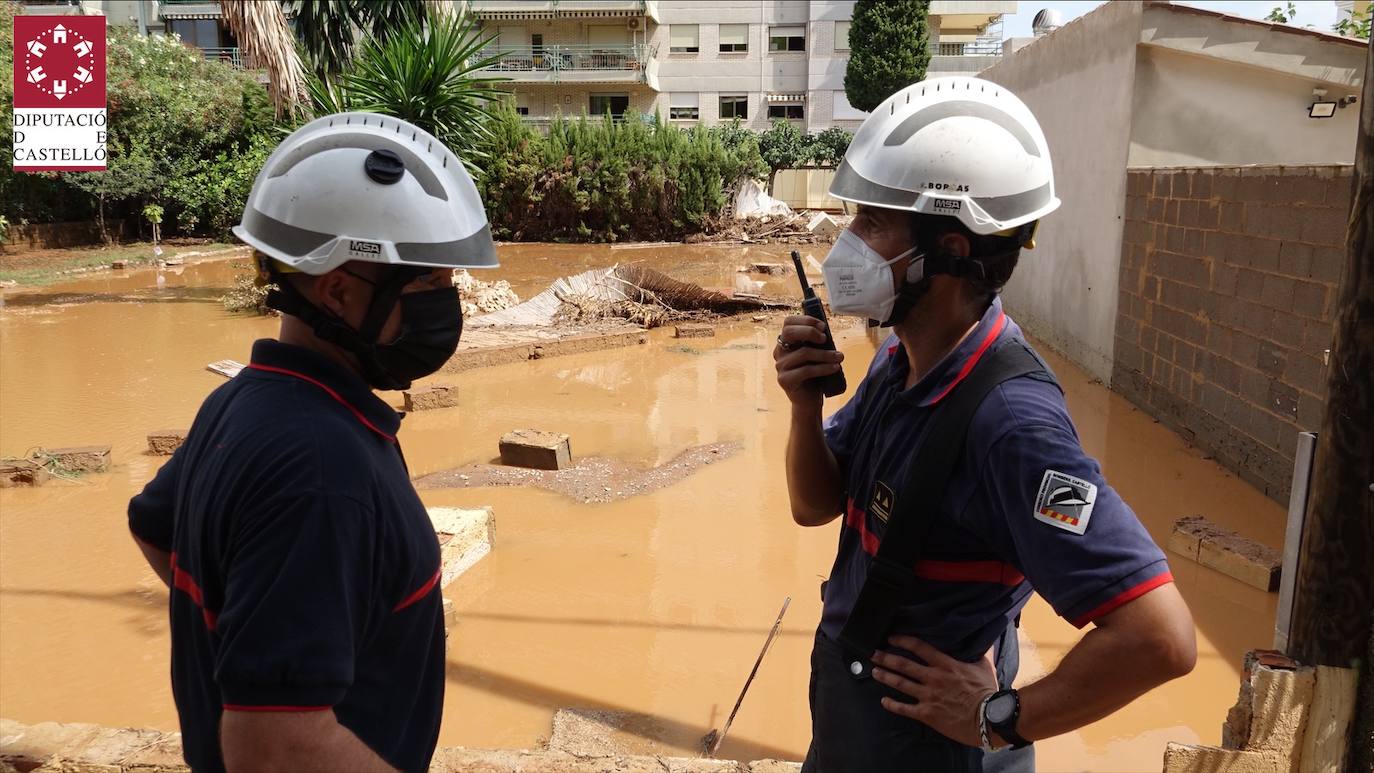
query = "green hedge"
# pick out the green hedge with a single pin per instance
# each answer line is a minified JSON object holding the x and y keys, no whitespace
{"x":604,"y":180}
{"x":185,"y":133}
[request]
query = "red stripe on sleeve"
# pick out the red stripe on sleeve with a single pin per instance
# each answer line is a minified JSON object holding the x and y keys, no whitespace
{"x":1123,"y":598}
{"x":421,"y":593}
{"x":184,"y":582}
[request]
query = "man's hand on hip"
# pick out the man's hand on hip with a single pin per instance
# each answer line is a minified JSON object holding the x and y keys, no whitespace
{"x":949,"y":693}
{"x":798,"y":364}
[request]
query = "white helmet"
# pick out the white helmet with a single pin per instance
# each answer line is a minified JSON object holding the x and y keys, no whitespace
{"x":956,"y":146}
{"x":366,"y":187}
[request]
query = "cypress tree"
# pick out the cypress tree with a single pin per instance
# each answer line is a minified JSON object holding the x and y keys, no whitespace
{"x":889,"y":49}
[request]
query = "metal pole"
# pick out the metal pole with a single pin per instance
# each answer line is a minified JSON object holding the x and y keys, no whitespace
{"x":1292,"y":539}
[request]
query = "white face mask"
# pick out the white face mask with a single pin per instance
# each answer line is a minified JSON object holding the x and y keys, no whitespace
{"x":858,"y":279}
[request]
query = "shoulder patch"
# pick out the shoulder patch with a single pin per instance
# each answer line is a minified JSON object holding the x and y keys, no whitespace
{"x":1065,"y":502}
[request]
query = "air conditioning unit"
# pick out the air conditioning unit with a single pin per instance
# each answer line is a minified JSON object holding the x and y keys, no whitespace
{"x":634,"y":24}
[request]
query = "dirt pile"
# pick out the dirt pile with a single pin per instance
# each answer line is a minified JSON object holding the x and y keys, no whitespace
{"x":591,"y":479}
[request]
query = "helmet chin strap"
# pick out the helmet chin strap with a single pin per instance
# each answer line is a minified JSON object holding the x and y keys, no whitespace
{"x":331,"y":328}
{"x":934,"y":264}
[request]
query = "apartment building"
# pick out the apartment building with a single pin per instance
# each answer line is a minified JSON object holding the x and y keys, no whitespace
{"x":196,"y":21}
{"x":708,"y":60}
{"x":692,"y":61}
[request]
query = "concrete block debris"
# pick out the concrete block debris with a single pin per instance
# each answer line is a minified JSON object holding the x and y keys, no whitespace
{"x":22,"y":472}
{"x":226,"y":368}
{"x":1251,"y":562}
{"x":164,"y":442}
{"x":427,"y":398}
{"x":694,"y":331}
{"x":594,"y":732}
{"x":465,"y":537}
{"x":536,"y":450}
{"x":822,"y":224}
{"x":89,"y":748}
{"x":174,"y":262}
{"x":79,"y":458}
{"x":772,"y":269}
{"x":119,"y":264}
{"x":1264,"y":731}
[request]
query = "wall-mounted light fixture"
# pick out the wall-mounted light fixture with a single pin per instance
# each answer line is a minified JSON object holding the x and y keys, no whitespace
{"x":1320,"y":108}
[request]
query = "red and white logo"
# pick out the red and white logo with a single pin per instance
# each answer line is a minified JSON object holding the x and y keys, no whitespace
{"x":59,"y":93}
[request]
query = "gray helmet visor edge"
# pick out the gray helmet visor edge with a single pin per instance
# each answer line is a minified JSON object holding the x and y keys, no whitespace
{"x":474,"y":251}
{"x":852,"y":186}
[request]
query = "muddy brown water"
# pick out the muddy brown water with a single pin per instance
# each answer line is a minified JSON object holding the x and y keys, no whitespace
{"x":654,"y":604}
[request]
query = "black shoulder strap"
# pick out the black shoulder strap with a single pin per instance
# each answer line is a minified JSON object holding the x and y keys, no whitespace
{"x":892,"y":574}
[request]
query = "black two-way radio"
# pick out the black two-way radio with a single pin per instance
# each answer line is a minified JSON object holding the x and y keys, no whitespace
{"x":834,"y":384}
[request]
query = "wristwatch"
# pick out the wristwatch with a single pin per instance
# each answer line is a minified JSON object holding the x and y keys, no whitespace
{"x":999,"y":714}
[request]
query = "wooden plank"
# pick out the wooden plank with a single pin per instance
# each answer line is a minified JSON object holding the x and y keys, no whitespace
{"x":1328,"y":721}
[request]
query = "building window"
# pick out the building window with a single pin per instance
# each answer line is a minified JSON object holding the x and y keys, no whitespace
{"x":734,"y":38}
{"x":684,"y":38}
{"x":615,"y":104}
{"x":841,"y":36}
{"x":201,"y":33}
{"x":684,"y":106}
{"x":844,"y":111}
{"x":522,"y":111}
{"x":787,"y":39}
{"x":734,"y":106}
{"x":792,"y":112}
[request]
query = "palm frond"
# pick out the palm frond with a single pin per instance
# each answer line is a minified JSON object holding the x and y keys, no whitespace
{"x":266,"y":41}
{"x":428,"y":74}
{"x":327,"y":30}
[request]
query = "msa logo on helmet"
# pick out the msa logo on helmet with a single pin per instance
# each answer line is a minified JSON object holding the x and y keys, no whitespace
{"x":947,"y":205}
{"x":364,"y":248}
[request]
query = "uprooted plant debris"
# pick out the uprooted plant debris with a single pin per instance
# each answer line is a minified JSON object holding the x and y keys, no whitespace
{"x":774,"y":229}
{"x":650,"y":298}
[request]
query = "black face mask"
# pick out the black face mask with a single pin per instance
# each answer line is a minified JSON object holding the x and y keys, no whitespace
{"x":431,"y":324}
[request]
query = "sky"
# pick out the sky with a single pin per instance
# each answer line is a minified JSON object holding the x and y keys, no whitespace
{"x":1320,"y":14}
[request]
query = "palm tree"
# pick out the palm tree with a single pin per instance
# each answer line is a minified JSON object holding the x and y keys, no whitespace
{"x":327,"y":32}
{"x":426,"y":72}
{"x":267,"y":42}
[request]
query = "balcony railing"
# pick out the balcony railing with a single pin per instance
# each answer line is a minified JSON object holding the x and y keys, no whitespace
{"x":960,"y":65}
{"x":979,"y":47}
{"x":227,"y":55}
{"x":553,"y":8}
{"x":553,"y":61}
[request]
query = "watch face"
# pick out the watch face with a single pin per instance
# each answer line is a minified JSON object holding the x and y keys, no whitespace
{"x":1000,"y":708}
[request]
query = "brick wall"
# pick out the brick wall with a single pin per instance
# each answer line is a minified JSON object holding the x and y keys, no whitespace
{"x":1227,"y":287}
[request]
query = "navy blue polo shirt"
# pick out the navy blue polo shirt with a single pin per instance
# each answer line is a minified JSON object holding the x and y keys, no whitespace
{"x":305,"y":564}
{"x":1025,"y":509}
